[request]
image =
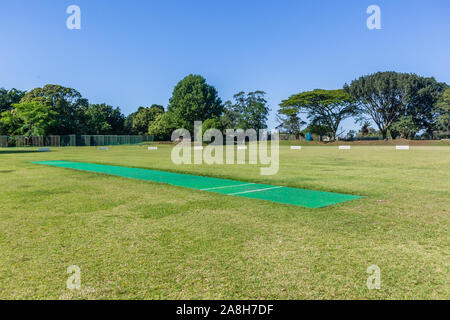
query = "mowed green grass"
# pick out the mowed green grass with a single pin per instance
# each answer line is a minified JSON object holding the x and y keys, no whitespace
{"x":140,"y":240}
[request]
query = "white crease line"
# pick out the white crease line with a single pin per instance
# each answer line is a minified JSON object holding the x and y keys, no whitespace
{"x":232,"y":194}
{"x":236,"y":185}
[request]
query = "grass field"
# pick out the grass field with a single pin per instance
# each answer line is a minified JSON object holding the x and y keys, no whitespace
{"x":140,"y":240}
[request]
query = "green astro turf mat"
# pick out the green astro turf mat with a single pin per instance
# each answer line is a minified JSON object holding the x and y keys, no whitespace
{"x":285,"y":195}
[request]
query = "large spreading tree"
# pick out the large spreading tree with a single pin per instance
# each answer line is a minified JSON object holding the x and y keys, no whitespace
{"x":68,"y":103}
{"x":386,"y":97}
{"x":326,"y":108}
{"x":29,"y":118}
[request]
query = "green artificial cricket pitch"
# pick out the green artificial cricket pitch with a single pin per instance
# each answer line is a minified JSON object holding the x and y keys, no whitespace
{"x":285,"y":195}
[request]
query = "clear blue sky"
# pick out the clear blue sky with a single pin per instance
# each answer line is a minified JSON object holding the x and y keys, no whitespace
{"x":132,"y":53}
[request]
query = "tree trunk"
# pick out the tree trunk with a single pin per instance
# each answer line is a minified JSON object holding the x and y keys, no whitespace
{"x":334,"y":135}
{"x":394,"y":134}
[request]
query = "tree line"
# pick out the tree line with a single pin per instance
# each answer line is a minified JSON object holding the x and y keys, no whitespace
{"x":57,"y":110}
{"x":399,"y":104}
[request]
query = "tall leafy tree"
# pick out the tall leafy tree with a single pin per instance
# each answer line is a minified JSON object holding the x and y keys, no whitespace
{"x":163,"y":126}
{"x":30,"y":118}
{"x":405,"y":127}
{"x":365,"y":128}
{"x":420,"y":95}
{"x":9,"y":97}
{"x":325,"y":107}
{"x":290,"y":121}
{"x":229,"y":117}
{"x":442,"y":111}
{"x":144,"y":116}
{"x":251,"y":110}
{"x":68,"y":103}
{"x":141,"y":121}
{"x":194,"y":100}
{"x":387,"y":96}
{"x":104,"y":119}
{"x":212,"y":124}
{"x":128,"y":124}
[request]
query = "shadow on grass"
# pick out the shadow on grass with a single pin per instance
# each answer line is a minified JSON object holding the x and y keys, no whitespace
{"x":20,"y":151}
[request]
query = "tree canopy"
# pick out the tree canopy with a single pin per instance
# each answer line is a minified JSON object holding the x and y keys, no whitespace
{"x":68,"y":104}
{"x":194,"y":100}
{"x":144,"y":117}
{"x":405,"y":127}
{"x":9,"y":97}
{"x":289,"y":120}
{"x":387,"y":96}
{"x":400,"y":104}
{"x":104,"y":119}
{"x":30,"y":118}
{"x":163,"y":126}
{"x":250,"y":111}
{"x":442,"y":111}
{"x":323,"y":107}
